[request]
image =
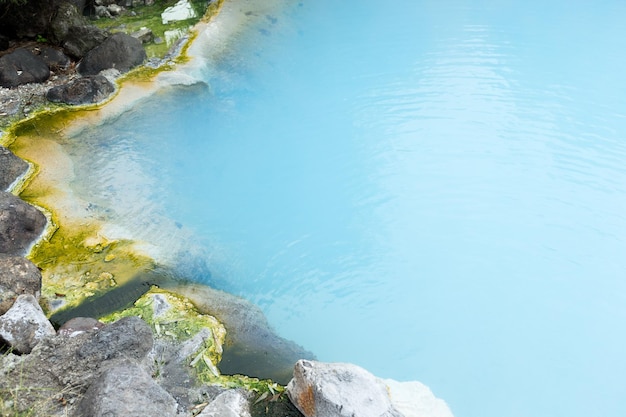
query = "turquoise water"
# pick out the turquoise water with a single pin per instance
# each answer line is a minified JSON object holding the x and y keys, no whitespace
{"x":432,"y":190}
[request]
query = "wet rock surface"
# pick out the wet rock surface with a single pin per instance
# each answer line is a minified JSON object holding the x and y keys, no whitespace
{"x":11,"y":168}
{"x":18,"y":276}
{"x":20,"y":224}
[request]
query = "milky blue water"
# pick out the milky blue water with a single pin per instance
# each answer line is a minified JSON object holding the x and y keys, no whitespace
{"x":432,"y":190}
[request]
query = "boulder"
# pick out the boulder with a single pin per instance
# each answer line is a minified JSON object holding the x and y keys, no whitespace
{"x":231,"y":403}
{"x":11,"y":168}
{"x":338,"y":390}
{"x":129,"y":337}
{"x":85,"y":90}
{"x":22,"y":67}
{"x":24,"y":324}
{"x":82,"y":39}
{"x":18,"y":276}
{"x":119,"y":51}
{"x":126,"y":390}
{"x":20,"y":224}
{"x":180,"y":11}
{"x":70,"y":29}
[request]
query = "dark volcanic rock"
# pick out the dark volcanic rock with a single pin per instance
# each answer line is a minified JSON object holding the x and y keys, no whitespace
{"x":54,"y":58}
{"x":120,"y":51}
{"x":86,"y":90}
{"x":11,"y":168}
{"x":18,"y":276}
{"x":126,"y":390}
{"x":20,"y":224}
{"x":24,"y":324}
{"x":129,"y":337}
{"x":72,"y":31}
{"x":21,"y":67}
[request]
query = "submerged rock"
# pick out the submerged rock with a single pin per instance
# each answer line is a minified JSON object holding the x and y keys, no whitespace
{"x":20,"y":224}
{"x":414,"y":399}
{"x":24,"y":325}
{"x":18,"y":276}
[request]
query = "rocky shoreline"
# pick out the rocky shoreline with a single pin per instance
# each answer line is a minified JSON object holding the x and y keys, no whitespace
{"x":161,"y":355}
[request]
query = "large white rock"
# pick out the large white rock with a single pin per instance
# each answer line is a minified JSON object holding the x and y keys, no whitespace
{"x":321,"y":389}
{"x":414,"y":399}
{"x":180,"y":11}
{"x":24,"y":324}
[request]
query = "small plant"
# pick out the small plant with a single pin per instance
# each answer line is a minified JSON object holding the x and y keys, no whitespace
{"x":41,"y":39}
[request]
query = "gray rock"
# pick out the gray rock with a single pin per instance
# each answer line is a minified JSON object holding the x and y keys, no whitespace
{"x":129,"y":337}
{"x":59,"y":370}
{"x":20,"y":224}
{"x":18,"y":276}
{"x":119,"y":51}
{"x":24,"y":324}
{"x":231,"y":403}
{"x":126,"y":391}
{"x":85,"y":90}
{"x":338,"y":390}
{"x":11,"y":168}
{"x":22,"y":67}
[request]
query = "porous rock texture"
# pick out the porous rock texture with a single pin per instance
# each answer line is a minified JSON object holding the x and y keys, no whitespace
{"x":18,"y":276}
{"x":20,"y":224}
{"x":85,"y":90}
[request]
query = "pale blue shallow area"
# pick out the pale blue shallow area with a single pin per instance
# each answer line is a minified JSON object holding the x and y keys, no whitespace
{"x":434,"y":190}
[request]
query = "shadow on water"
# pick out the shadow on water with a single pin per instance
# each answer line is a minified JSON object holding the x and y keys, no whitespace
{"x":116,"y":299}
{"x":252,"y":347}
